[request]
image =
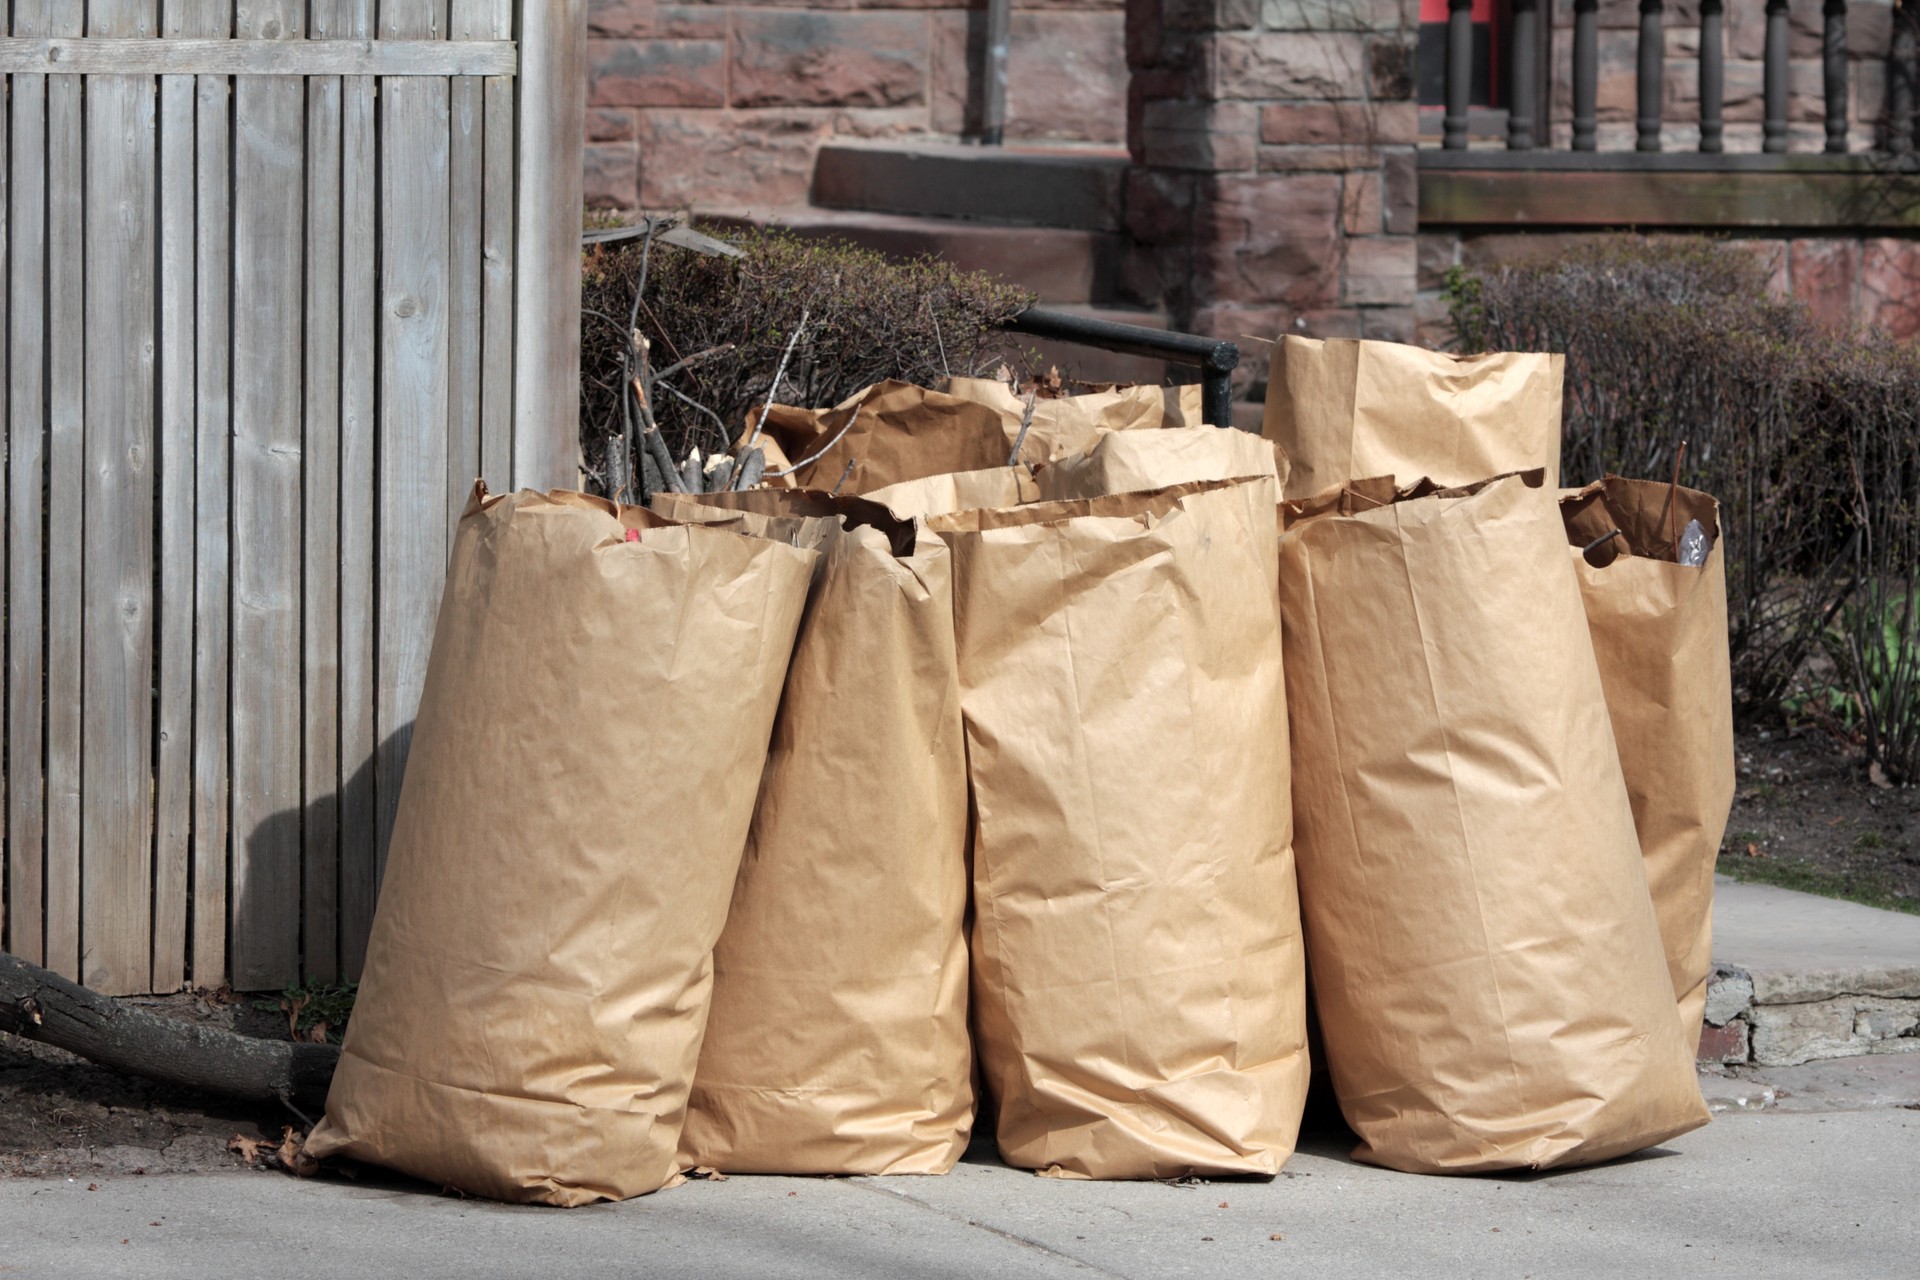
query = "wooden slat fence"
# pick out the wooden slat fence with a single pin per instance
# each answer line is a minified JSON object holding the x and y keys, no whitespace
{"x":279,"y":279}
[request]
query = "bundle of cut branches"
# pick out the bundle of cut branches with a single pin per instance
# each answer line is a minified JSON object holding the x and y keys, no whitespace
{"x":682,"y":349}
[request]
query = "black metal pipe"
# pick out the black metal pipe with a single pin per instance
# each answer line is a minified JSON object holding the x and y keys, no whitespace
{"x":1216,"y":358}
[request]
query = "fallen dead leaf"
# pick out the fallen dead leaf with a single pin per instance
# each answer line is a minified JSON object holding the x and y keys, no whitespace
{"x":1223,"y":1204}
{"x":1753,"y":850}
{"x":248,"y":1149}
{"x":292,"y":1005}
{"x":1276,"y":1236}
{"x":93,"y":1186}
{"x":706,"y":1173}
{"x":1878,"y":777}
{"x":293,"y":1154}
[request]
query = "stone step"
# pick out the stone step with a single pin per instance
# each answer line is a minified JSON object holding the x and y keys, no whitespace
{"x":1078,"y":188}
{"x":1061,"y":265}
{"x":1800,"y":978}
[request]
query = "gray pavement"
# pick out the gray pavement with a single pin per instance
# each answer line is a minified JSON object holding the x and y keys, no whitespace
{"x":1808,"y":1171}
{"x":1772,"y":1194}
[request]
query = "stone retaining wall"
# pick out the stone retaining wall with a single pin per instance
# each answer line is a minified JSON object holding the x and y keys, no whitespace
{"x":1768,"y":1022}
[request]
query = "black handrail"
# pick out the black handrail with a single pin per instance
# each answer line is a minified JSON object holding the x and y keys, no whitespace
{"x":1214,"y":357}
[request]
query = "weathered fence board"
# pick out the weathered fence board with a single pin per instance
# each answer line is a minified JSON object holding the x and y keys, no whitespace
{"x":116,"y":786}
{"x":26,"y":511}
{"x":268,"y":303}
{"x":173,"y":773}
{"x":413,"y":373}
{"x":66,"y":407}
{"x":212,"y":525}
{"x":359,"y":872}
{"x":320,"y":659}
{"x":434,"y":58}
{"x":275,"y":289}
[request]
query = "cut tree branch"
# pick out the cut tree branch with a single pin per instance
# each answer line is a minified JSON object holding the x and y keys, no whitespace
{"x":41,"y":1005}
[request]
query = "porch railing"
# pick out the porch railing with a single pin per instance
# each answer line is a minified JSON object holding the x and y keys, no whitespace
{"x":1524,"y":117}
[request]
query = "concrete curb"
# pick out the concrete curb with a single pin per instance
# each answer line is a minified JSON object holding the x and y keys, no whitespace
{"x":1799,"y":978}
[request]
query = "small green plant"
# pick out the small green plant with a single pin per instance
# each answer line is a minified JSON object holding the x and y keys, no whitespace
{"x":317,"y":1012}
{"x":1882,"y":636}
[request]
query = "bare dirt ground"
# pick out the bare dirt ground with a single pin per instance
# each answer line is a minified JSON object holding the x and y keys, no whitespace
{"x":62,"y":1116}
{"x":1806,"y":817}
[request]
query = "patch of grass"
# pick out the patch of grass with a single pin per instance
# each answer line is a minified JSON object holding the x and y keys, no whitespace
{"x":1795,"y":873}
{"x":1869,"y":840}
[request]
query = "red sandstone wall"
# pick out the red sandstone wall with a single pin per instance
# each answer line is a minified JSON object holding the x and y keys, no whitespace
{"x":723,"y":105}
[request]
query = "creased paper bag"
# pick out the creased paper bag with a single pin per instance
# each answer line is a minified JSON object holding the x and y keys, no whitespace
{"x":886,"y":433}
{"x":1069,"y":424}
{"x":959,"y":491}
{"x":1660,"y":635}
{"x":1135,"y":461}
{"x":1484,"y":955}
{"x":1139,"y":1002}
{"x":1347,"y":410}
{"x":581,"y":778}
{"x":837,"y":1042}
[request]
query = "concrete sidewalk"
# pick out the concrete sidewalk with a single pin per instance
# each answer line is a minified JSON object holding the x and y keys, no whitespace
{"x":1803,"y":978}
{"x":1752,"y":1196}
{"x":1816,"y":1180}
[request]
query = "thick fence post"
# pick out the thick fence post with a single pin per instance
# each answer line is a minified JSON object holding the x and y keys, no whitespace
{"x":546,"y":358}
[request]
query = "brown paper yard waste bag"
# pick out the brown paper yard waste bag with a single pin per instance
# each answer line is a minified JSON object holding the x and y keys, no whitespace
{"x":1137,"y":959}
{"x":959,"y":491}
{"x":837,"y":1041}
{"x":1660,"y":635}
{"x":1347,"y":410}
{"x":1067,"y":424}
{"x":1135,"y":461}
{"x":577,"y":796}
{"x":1484,"y":956}
{"x":883,"y":434}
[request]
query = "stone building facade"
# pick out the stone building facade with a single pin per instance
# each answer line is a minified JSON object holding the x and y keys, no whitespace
{"x":1276,"y":169}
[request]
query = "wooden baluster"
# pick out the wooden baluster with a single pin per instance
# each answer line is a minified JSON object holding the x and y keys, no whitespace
{"x":1586,"y":72}
{"x":1833,"y":59}
{"x":1652,"y":75}
{"x":1713,"y":76}
{"x":1523,"y":96}
{"x":1453,"y":135}
{"x":1774,"y":130}
{"x":1901,"y":73}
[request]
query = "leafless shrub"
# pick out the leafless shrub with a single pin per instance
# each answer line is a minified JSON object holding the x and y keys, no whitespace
{"x":869,"y":318}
